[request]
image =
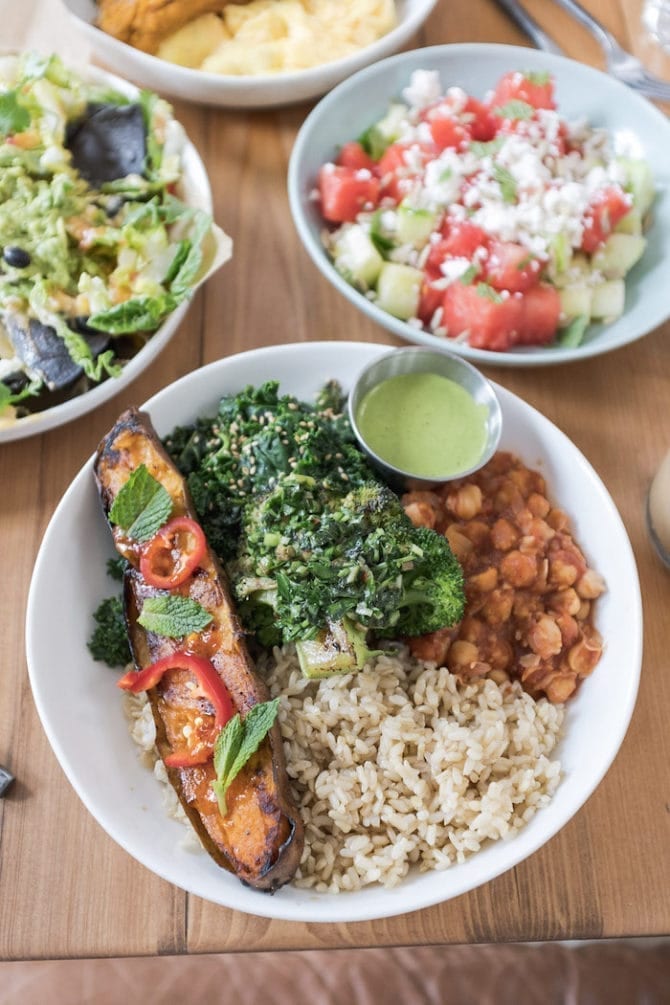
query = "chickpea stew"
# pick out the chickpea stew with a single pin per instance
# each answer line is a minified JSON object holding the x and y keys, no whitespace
{"x":530,"y":591}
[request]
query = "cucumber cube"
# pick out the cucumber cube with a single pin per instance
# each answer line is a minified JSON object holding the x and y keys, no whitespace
{"x":618,"y":255}
{"x":576,"y":301}
{"x":414,"y":226}
{"x":399,"y":289}
{"x":631,"y":223}
{"x":384,"y":132}
{"x":608,"y":300}
{"x":639,"y":182}
{"x":355,"y":257}
{"x":576,"y":272}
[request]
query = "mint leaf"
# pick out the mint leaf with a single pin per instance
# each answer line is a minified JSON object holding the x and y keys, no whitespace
{"x":486,"y":148}
{"x":469,"y":275}
{"x":515,"y":110}
{"x":173,"y":616}
{"x":506,"y":181}
{"x":486,"y":291}
{"x":237,"y":742}
{"x":374,"y":142}
{"x":13,"y":117}
{"x":141,"y":506}
{"x":227,"y":746}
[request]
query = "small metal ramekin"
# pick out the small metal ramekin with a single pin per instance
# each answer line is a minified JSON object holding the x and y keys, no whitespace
{"x":419,"y":360}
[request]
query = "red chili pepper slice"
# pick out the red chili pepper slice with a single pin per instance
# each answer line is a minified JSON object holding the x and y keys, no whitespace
{"x":210,"y":683}
{"x":173,"y":553}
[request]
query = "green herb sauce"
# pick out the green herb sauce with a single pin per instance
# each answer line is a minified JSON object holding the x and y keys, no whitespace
{"x":424,"y":424}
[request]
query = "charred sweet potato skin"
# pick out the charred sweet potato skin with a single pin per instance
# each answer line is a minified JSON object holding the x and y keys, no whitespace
{"x":261,"y":837}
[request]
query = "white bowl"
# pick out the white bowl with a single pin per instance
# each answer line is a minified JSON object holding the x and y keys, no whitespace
{"x":241,"y":92}
{"x":80,"y":707}
{"x":582,"y":92}
{"x":195,"y":191}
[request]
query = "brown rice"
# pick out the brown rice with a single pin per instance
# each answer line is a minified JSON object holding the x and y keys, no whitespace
{"x":403,"y":765}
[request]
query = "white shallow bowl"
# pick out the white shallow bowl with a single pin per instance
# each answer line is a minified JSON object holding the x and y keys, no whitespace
{"x":81,"y":710}
{"x":230,"y":91}
{"x":195,"y":190}
{"x":582,"y":92}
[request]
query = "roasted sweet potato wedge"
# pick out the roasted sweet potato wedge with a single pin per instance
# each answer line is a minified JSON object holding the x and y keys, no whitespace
{"x":260,"y":838}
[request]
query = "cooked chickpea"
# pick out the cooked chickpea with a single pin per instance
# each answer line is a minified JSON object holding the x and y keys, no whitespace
{"x":529,"y":589}
{"x":461,"y":654}
{"x":421,"y":514}
{"x":518,"y":569}
{"x":561,"y":687}
{"x":461,"y":545}
{"x":538,"y":504}
{"x":466,"y":502}
{"x":564,"y":601}
{"x":498,"y":606}
{"x":590,"y":585}
{"x":484,"y":582}
{"x":504,"y":535}
{"x":558,"y":520}
{"x":544,"y":637}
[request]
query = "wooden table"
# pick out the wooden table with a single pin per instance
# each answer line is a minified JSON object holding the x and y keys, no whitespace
{"x":66,"y":889}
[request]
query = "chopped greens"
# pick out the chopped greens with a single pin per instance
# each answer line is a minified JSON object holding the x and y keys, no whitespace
{"x":109,"y":641}
{"x":310,"y":537}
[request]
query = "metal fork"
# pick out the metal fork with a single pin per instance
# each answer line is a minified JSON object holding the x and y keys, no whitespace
{"x":620,"y":63}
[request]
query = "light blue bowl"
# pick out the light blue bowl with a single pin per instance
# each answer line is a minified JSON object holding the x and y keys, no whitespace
{"x":582,"y":92}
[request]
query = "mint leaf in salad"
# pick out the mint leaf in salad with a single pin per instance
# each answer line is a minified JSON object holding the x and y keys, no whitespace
{"x":173,"y":616}
{"x":141,"y":506}
{"x":237,"y":742}
{"x":515,"y":110}
{"x":506,"y":181}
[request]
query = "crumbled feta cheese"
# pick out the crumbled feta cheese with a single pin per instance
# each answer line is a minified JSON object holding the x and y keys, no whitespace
{"x":423,"y":89}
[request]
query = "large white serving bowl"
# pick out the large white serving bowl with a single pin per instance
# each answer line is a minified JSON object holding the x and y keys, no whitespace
{"x":230,"y":91}
{"x":81,"y":711}
{"x":194,"y":189}
{"x":582,"y":92}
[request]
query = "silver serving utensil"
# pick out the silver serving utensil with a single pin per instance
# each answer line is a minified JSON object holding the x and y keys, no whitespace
{"x":620,"y":63}
{"x":529,"y":25}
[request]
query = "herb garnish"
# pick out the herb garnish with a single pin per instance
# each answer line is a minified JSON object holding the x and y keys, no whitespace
{"x":142,"y":505}
{"x":237,"y":742}
{"x":173,"y":615}
{"x":506,"y":181}
{"x":515,"y":110}
{"x":488,"y":293}
{"x":109,"y":641}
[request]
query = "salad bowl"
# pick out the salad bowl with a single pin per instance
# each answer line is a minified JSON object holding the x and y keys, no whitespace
{"x":637,"y":130}
{"x":129,"y":806}
{"x":227,"y":91}
{"x":193,"y":189}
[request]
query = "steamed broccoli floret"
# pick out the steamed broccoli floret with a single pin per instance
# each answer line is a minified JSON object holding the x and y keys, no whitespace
{"x":109,"y":641}
{"x":332,"y":557}
{"x":433,"y":591}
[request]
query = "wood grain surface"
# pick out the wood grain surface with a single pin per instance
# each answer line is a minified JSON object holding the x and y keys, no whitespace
{"x":66,"y":889}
